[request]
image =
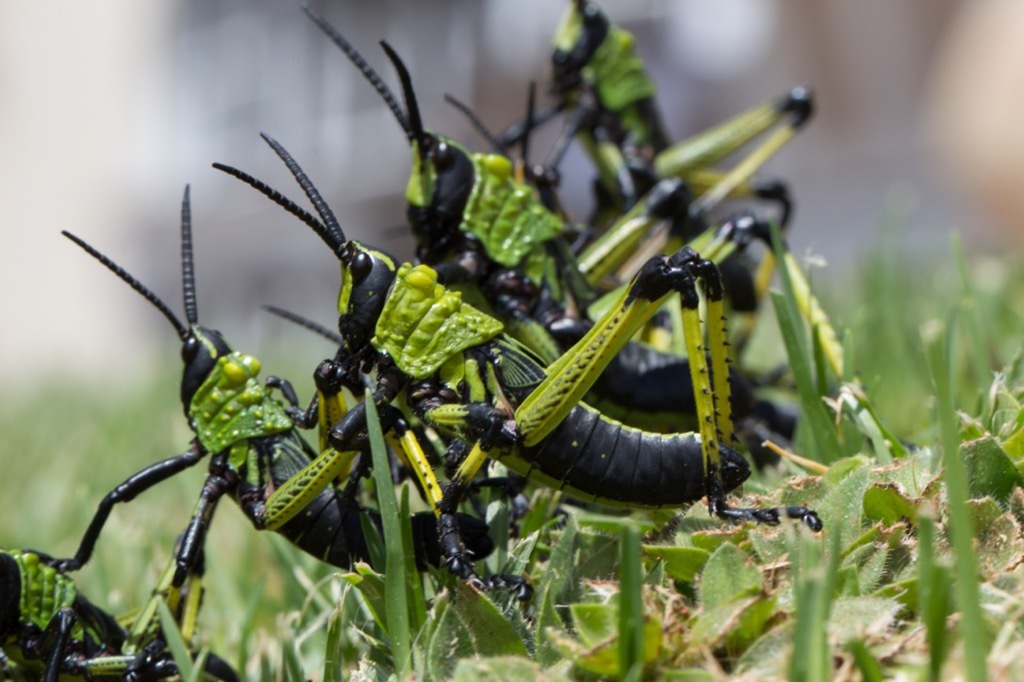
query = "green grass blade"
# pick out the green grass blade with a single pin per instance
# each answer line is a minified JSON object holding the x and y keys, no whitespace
{"x":291,"y":660}
{"x":974,"y":327}
{"x":172,"y":635}
{"x":822,"y":432}
{"x":972,"y":627}
{"x":417,"y":602}
{"x":396,"y":594}
{"x":333,"y":670}
{"x":631,"y":606}
{"x":814,"y":590}
{"x":870,"y":669}
{"x":374,"y":543}
{"x":933,"y":590}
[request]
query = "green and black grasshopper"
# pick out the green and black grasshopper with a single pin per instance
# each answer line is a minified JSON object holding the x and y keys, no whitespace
{"x":479,"y":226}
{"x":452,"y":366}
{"x":49,"y":629}
{"x":255,"y":449}
{"x":608,"y":100}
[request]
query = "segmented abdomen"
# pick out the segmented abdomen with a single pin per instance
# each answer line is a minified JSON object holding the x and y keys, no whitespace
{"x":597,"y":458}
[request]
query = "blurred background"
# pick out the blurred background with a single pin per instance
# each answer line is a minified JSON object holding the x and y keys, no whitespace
{"x":108,"y":108}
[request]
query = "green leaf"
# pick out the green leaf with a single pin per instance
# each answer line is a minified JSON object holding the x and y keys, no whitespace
{"x":734,"y":625}
{"x":370,"y":586}
{"x":682,"y":563}
{"x":502,"y":669}
{"x":861,"y":617}
{"x":990,"y":473}
{"x":598,"y":648}
{"x":729,"y":575}
{"x":998,"y":534}
{"x":470,"y":625}
{"x":886,"y":502}
{"x":594,"y":623}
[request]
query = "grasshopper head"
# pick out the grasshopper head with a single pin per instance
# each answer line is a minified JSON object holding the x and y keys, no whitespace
{"x":582,"y":30}
{"x":439,"y":188}
{"x":442,"y":176}
{"x":201,"y":347}
{"x":366,"y":277}
{"x":200,"y":351}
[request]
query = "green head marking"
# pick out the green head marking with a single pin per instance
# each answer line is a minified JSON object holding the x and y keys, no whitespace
{"x":569,"y":29}
{"x":420,"y":189}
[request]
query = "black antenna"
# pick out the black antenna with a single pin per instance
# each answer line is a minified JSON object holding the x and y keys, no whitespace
{"x":561,"y":146}
{"x":182,"y":330}
{"x":309,"y":324}
{"x":413,"y":108}
{"x":360,"y":63}
{"x":282,"y":201}
{"x":475,"y":120}
{"x":188,"y":277}
{"x":333,"y":226}
{"x":531,"y":102}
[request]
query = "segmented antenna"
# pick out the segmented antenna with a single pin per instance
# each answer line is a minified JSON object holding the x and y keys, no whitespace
{"x":309,"y":324}
{"x":188,"y":277}
{"x":335,"y":232}
{"x":135,"y":284}
{"x":475,"y":120}
{"x":415,"y":122}
{"x":368,"y":72}
{"x":282,"y":201}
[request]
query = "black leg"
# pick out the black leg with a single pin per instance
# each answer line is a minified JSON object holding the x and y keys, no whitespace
{"x":125,"y":492}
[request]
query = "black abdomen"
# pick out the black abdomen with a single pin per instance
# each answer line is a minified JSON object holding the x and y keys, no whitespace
{"x":598,"y":458}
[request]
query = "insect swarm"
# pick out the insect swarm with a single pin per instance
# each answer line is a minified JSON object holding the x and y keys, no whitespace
{"x":699,"y":597}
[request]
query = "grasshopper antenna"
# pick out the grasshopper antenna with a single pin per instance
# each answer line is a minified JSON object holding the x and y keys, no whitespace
{"x":188,"y":277}
{"x":368,"y":72}
{"x":302,"y":321}
{"x":475,"y":120}
{"x":411,"y":105}
{"x":334,"y":231}
{"x":135,"y":284}
{"x":282,"y":201}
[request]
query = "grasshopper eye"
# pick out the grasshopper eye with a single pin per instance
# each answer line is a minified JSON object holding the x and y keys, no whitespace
{"x":444,"y":156}
{"x":190,"y":349}
{"x":361,"y":266}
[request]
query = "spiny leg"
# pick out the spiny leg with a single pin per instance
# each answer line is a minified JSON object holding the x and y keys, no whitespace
{"x":690,"y":157}
{"x":713,"y":144}
{"x":736,"y":234}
